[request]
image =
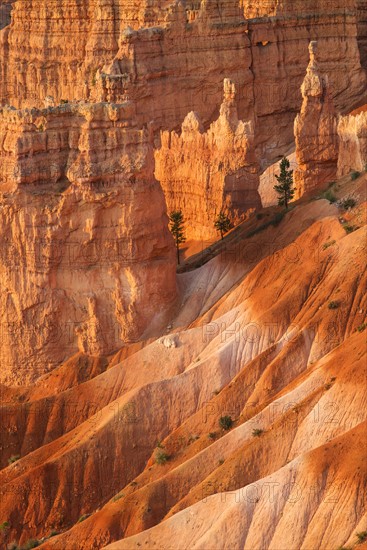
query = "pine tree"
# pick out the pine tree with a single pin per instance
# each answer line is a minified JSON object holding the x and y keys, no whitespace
{"x":177,"y":229}
{"x":284,"y":188}
{"x":222,"y":224}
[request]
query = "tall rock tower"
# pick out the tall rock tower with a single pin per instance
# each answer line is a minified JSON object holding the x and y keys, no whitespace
{"x":315,"y":130}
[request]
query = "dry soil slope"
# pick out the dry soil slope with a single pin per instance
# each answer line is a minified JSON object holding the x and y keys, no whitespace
{"x":256,"y":339}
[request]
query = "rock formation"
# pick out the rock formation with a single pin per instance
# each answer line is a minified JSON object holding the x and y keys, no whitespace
{"x":362,"y":31}
{"x":254,"y":340}
{"x":203,"y":173}
{"x":86,"y":264}
{"x":352,"y":132}
{"x":315,"y":131}
{"x":109,"y":57}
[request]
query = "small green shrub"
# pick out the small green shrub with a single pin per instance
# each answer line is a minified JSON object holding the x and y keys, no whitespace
{"x":159,"y":445}
{"x":212,"y":435}
{"x":161,"y":457}
{"x":225,"y":422}
{"x":348,"y":202}
{"x":257,"y":432}
{"x":32,"y":543}
{"x":333,"y":304}
{"x":13,"y":459}
{"x":82,"y":518}
{"x":221,"y":461}
{"x":326,"y":245}
{"x":4,"y":525}
{"x":362,"y":536}
{"x":329,"y":196}
{"x":348,"y":228}
{"x":53,"y":533}
{"x":355,"y":175}
{"x":362,"y":327}
{"x":118,"y":496}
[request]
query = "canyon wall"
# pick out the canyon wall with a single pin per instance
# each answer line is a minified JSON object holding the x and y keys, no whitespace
{"x":203,"y":173}
{"x":315,"y":131}
{"x":74,"y":175}
{"x":179,"y":65}
{"x":362,"y":31}
{"x":86,"y":263}
{"x":352,"y":131}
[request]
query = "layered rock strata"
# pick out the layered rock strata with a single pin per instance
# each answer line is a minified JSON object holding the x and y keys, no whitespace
{"x":315,"y":130}
{"x":86,"y":263}
{"x":178,"y":66}
{"x":352,"y":131}
{"x":203,"y":173}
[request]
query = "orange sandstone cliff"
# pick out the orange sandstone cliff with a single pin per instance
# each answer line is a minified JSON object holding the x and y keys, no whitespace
{"x":223,"y":404}
{"x":86,"y":264}
{"x":315,"y":131}
{"x":206,"y":172}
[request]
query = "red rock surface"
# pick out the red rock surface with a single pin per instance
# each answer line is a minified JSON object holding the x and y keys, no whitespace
{"x":85,"y":263}
{"x":352,"y":131}
{"x":292,"y":367}
{"x":203,"y":173}
{"x":315,"y":129}
{"x":116,"y":368}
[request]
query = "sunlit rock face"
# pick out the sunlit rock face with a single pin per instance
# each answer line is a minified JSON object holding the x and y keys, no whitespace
{"x":203,"y":173}
{"x":352,"y":131}
{"x":315,"y":131}
{"x":86,"y":263}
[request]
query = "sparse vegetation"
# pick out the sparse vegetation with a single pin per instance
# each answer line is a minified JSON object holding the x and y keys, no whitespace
{"x":177,"y":229}
{"x":118,"y":496}
{"x":225,"y":422}
{"x":82,"y":518}
{"x":257,"y":432}
{"x":221,"y":461}
{"x":159,"y":445}
{"x":13,"y":459}
{"x":222,"y":224}
{"x":31,"y":543}
{"x":284,"y":188}
{"x":348,"y":202}
{"x":361,"y":536}
{"x":4,"y":526}
{"x":329,"y":196}
{"x":348,"y":228}
{"x":355,"y":175}
{"x":161,"y":457}
{"x":212,"y":435}
{"x":362,"y":327}
{"x":334,"y":304}
{"x":328,"y":244}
